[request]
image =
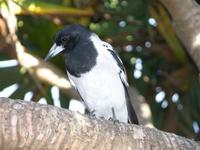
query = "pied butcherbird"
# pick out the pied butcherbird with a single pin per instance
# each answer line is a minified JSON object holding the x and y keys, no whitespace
{"x":96,"y":71}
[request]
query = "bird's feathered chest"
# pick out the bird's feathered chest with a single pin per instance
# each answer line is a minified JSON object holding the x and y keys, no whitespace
{"x":82,"y":59}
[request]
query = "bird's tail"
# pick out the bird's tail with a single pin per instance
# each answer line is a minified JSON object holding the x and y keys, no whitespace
{"x":132,"y":117}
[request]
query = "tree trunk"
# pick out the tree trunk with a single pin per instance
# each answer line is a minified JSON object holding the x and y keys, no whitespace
{"x":186,"y":17}
{"x":28,"y":125}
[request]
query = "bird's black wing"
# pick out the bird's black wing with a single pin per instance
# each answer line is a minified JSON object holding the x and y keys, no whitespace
{"x":132,"y":117}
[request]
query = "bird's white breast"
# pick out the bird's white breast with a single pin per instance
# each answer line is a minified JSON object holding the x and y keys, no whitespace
{"x":101,"y":88}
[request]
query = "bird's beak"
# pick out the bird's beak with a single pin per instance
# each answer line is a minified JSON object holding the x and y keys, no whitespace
{"x":55,"y":50}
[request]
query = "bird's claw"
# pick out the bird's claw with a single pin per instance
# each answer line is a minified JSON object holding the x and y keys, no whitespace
{"x":114,"y":119}
{"x":92,"y":114}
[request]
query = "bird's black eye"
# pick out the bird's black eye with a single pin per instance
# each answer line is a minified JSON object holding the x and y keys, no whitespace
{"x":64,"y":39}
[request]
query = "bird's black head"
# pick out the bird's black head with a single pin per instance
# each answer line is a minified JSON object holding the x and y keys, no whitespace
{"x":67,"y":39}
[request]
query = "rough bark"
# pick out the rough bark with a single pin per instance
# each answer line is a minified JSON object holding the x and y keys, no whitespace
{"x":186,"y":17}
{"x":27,"y":126}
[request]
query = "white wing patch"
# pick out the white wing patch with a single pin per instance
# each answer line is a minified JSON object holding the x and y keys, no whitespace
{"x":119,"y":63}
{"x":106,"y":48}
{"x":123,"y":77}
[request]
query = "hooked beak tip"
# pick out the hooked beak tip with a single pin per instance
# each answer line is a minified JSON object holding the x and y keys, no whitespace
{"x":55,"y":50}
{"x":46,"y":58}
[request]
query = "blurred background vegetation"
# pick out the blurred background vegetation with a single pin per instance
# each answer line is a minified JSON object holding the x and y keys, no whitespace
{"x":141,"y":31}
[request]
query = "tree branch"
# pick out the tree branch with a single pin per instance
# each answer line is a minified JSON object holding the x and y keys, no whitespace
{"x":28,"y":125}
{"x":186,"y":17}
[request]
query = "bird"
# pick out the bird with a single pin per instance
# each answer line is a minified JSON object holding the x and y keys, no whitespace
{"x":96,"y":71}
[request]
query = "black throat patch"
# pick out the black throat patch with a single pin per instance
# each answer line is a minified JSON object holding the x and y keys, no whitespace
{"x":81,"y":59}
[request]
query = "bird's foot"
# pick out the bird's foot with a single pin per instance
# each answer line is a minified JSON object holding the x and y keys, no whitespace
{"x":114,"y":119}
{"x":92,"y":114}
{"x":102,"y":117}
